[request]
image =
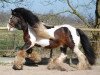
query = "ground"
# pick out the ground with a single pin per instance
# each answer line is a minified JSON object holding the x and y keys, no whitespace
{"x":42,"y":70}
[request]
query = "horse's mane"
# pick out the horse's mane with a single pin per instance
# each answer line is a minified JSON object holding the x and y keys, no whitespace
{"x":32,"y":20}
{"x":27,"y":15}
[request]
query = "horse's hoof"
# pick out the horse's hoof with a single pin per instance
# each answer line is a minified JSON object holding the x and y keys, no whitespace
{"x":17,"y":67}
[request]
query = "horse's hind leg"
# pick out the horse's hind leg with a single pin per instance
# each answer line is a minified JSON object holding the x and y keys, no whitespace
{"x":55,"y":63}
{"x":19,"y":60}
{"x":83,"y":62}
{"x":58,"y":63}
{"x":63,"y":54}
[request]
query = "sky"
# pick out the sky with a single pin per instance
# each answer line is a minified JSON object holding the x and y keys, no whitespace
{"x":55,"y":6}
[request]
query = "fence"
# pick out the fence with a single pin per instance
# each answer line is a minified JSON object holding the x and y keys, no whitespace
{"x":10,"y":40}
{"x":14,"y":40}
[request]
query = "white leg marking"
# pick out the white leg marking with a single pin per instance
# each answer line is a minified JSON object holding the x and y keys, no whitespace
{"x":62,"y":57}
{"x":83,"y":62}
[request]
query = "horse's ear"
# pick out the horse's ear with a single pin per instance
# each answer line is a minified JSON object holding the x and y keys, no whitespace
{"x":13,"y":12}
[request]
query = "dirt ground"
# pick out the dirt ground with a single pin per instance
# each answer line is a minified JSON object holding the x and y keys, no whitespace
{"x":42,"y":70}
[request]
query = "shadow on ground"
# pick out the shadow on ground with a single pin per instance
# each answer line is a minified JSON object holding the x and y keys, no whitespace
{"x":45,"y":61}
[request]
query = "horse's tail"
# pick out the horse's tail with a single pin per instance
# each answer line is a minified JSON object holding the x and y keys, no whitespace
{"x":89,"y":52}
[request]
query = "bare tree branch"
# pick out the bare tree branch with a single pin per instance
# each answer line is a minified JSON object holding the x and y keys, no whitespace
{"x":97,"y":14}
{"x":72,"y":11}
{"x":87,"y":5}
{"x":78,"y":14}
{"x":9,"y":1}
{"x":64,"y":12}
{"x":48,"y":2}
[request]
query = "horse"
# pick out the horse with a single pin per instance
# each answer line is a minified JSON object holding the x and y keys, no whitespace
{"x":37,"y":33}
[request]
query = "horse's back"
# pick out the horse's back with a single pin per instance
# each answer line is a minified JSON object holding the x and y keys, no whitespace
{"x":52,"y":30}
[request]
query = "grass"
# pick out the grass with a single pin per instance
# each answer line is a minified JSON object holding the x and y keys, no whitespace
{"x":10,"y":40}
{"x":14,"y":40}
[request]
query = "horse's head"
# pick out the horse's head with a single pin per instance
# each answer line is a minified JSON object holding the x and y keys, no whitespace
{"x":20,"y":16}
{"x":15,"y":21}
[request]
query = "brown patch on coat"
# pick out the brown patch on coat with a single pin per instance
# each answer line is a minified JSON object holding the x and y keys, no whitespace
{"x":26,"y":36}
{"x":62,"y":37}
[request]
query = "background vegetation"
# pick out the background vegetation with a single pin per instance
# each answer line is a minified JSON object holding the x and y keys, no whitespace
{"x":9,"y":40}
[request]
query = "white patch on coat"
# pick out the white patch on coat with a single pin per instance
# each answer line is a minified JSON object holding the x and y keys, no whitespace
{"x":32,"y":36}
{"x":62,"y":57}
{"x":75,"y":37}
{"x":52,"y":30}
{"x":37,"y":40}
{"x":45,"y":42}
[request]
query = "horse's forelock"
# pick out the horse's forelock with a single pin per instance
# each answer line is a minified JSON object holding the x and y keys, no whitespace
{"x":17,"y":12}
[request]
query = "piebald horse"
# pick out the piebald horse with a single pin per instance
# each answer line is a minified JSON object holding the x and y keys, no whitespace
{"x":63,"y":36}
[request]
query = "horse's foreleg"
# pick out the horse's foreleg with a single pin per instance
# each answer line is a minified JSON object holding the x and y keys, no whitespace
{"x":19,"y":60}
{"x":83,"y":62}
{"x":20,"y":57}
{"x":34,"y":56}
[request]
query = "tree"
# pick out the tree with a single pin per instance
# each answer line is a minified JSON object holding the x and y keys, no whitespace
{"x":10,"y":1}
{"x":95,"y":35}
{"x":97,"y":14}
